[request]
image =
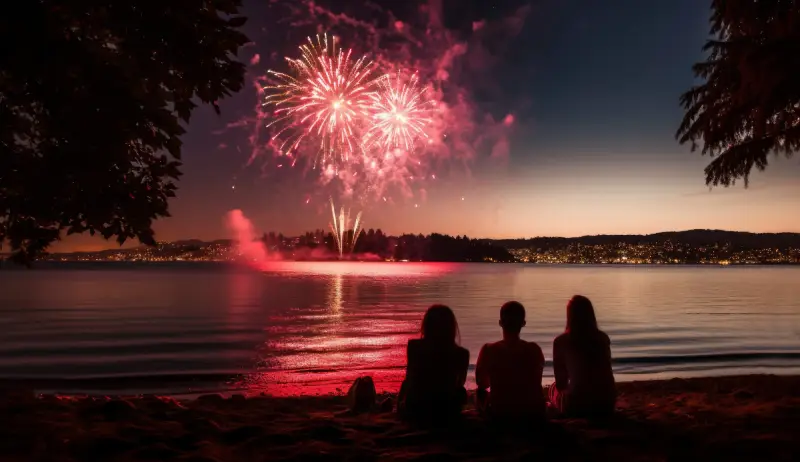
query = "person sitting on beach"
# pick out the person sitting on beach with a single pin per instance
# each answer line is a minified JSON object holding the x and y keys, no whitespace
{"x":584,"y":384}
{"x":436,"y":370}
{"x":512,"y":369}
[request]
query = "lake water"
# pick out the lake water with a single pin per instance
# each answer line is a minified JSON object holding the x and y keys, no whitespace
{"x":313,"y":327}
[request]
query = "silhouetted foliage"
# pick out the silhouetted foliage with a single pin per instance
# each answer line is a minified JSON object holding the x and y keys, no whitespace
{"x":413,"y":247}
{"x":438,"y":247}
{"x":749,"y":105}
{"x":93,"y":96}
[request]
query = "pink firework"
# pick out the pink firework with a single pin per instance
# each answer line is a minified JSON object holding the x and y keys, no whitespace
{"x":400,"y":114}
{"x":324,"y":102}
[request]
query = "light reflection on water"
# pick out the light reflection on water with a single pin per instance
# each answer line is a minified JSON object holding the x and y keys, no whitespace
{"x":313,"y":327}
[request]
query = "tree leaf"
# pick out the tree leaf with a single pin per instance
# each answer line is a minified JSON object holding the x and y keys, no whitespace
{"x":83,"y":127}
{"x":748,"y":106}
{"x":237,"y":22}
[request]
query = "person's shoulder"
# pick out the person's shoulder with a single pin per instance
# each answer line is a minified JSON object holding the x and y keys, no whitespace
{"x":461,"y":351}
{"x":414,"y":343}
{"x":561,"y":339}
{"x":604,"y":337}
{"x":533,"y":346}
{"x":491,"y":346}
{"x":487,"y":349}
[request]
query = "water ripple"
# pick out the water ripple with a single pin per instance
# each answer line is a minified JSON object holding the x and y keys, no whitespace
{"x":190,"y":327}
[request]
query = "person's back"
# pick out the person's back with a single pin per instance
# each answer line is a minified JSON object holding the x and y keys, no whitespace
{"x":582,"y":364}
{"x":512,"y":370}
{"x":435,"y":373}
{"x":437,"y":368}
{"x":587,"y":362}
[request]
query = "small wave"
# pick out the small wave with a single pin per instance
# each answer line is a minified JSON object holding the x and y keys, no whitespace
{"x":708,"y":358}
{"x":715,"y":358}
{"x":110,"y":350}
{"x":171,"y":383}
{"x":701,"y":370}
{"x":724,"y":313}
{"x":313,"y":371}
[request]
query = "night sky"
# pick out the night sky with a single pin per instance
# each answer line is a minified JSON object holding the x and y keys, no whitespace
{"x":593,"y":87}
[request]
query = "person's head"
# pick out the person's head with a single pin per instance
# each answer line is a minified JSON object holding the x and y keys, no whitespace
{"x":439,"y":325}
{"x":512,"y":317}
{"x":580,"y":315}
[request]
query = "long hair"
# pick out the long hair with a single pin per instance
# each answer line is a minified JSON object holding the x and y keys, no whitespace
{"x":439,"y":325}
{"x":580,"y":316}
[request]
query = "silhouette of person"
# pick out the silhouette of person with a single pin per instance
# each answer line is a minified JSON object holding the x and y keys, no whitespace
{"x":584,"y":384}
{"x":436,"y":370}
{"x":509,"y":372}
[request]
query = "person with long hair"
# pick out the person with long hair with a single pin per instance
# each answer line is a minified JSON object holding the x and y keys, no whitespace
{"x":512,"y":369}
{"x":582,"y":364}
{"x":436,"y":370}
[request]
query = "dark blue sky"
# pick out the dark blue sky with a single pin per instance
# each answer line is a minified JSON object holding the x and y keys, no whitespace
{"x":594,"y":88}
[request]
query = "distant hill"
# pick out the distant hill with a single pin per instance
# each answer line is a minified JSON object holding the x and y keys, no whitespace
{"x":694,"y":237}
{"x":189,"y":242}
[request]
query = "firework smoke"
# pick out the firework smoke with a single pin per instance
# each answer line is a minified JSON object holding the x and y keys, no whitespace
{"x":245,"y":239}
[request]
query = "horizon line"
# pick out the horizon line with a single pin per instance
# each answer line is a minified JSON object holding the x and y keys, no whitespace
{"x":445,"y":234}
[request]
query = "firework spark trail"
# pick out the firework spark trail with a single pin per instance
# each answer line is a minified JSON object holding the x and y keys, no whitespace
{"x":335,"y":226}
{"x":326,"y":101}
{"x":400,"y":114}
{"x":356,"y":231}
{"x":342,"y":239}
{"x":344,"y":222}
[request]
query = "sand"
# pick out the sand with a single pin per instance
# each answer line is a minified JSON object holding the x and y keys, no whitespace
{"x":726,"y":419}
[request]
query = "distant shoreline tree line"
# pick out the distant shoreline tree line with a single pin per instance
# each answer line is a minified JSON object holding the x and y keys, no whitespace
{"x":413,"y":247}
{"x":687,"y":247}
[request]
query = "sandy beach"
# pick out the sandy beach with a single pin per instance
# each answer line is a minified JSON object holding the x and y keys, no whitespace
{"x":726,"y":418}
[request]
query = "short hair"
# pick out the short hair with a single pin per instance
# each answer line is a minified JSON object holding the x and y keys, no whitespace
{"x":512,"y":314}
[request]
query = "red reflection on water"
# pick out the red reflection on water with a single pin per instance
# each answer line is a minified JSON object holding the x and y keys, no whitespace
{"x":326,"y":353}
{"x":321,"y":349}
{"x":357,"y":268}
{"x":330,"y":359}
{"x":332,"y":371}
{"x":326,"y":344}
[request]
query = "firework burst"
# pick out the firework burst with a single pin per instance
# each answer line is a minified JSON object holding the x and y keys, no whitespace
{"x":400,"y":114}
{"x":358,"y":149}
{"x":323,"y":102}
